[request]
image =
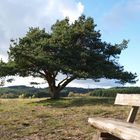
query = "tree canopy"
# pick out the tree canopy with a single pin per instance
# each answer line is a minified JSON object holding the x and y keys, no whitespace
{"x":74,"y":50}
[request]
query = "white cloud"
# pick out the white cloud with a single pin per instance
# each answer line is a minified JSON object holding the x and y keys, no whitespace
{"x":104,"y":83}
{"x":26,"y":81}
{"x":73,"y":13}
{"x":17,"y":16}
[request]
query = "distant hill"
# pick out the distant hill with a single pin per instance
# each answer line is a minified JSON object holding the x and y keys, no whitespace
{"x":15,"y":91}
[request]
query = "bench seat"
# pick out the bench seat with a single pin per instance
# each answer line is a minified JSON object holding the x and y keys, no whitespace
{"x":123,"y":130}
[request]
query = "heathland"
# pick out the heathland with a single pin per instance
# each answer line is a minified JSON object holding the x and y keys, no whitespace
{"x":47,"y":119}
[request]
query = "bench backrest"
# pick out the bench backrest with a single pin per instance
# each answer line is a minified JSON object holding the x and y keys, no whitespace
{"x":131,"y":100}
{"x":128,"y":99}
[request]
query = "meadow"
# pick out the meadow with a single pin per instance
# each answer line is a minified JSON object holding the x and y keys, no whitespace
{"x":46,"y":119}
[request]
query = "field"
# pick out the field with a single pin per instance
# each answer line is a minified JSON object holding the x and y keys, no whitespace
{"x":45,"y":119}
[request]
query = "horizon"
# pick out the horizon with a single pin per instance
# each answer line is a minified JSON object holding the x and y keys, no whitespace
{"x":31,"y":86}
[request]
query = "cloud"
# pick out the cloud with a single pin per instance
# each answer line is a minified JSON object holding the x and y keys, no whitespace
{"x":17,"y":16}
{"x":73,"y":13}
{"x":25,"y":81}
{"x":104,"y":83}
{"x":121,"y":14}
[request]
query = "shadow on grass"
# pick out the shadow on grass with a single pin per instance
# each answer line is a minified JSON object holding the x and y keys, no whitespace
{"x":79,"y":101}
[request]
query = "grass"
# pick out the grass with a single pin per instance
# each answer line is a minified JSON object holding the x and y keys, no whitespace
{"x":45,"y":119}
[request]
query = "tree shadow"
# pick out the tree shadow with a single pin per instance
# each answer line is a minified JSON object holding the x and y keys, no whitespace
{"x":76,"y":101}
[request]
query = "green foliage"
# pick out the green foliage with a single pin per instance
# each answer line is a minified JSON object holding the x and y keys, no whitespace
{"x":74,"y":50}
{"x":112,"y":92}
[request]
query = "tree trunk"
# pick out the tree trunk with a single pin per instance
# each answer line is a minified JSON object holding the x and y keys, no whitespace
{"x":55,"y":90}
{"x":55,"y":94}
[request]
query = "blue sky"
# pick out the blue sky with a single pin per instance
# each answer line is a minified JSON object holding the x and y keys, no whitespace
{"x":116,"y":20}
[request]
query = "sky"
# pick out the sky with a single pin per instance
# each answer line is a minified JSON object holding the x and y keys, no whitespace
{"x":116,"y":20}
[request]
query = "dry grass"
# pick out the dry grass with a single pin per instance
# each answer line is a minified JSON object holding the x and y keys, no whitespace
{"x":42,"y":119}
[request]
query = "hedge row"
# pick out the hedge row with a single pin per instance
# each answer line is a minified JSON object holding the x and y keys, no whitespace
{"x":113,"y":91}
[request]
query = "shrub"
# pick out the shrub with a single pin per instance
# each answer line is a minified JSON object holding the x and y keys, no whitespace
{"x":22,"y":96}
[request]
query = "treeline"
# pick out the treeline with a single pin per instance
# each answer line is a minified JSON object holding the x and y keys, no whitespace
{"x":113,"y":91}
{"x":32,"y":92}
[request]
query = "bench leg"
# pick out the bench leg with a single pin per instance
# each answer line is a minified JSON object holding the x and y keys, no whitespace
{"x":107,"y":136}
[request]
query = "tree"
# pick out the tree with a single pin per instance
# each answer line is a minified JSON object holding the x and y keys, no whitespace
{"x":74,"y":50}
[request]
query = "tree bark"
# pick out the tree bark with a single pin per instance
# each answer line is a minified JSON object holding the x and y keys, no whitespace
{"x":55,"y":95}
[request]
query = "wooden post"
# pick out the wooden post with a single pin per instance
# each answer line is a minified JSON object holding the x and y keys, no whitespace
{"x":132,"y":114}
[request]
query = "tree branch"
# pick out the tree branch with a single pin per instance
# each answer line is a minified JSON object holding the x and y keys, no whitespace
{"x":41,"y":73}
{"x":55,"y":74}
{"x":62,"y":81}
{"x":66,"y":82}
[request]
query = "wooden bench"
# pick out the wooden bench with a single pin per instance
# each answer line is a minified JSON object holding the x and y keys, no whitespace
{"x":116,"y":129}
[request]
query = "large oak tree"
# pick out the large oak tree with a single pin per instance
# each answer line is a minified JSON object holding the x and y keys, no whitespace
{"x":74,"y":50}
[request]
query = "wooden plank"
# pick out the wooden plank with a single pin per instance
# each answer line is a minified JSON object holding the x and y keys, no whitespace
{"x":132,"y":114}
{"x":128,"y":99}
{"x":122,"y":130}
